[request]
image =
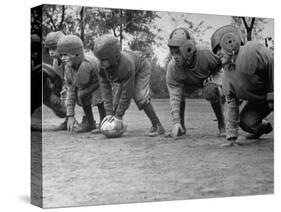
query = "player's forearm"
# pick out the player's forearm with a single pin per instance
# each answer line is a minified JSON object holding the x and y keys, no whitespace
{"x":176,"y":95}
{"x":95,"y":84}
{"x":107,"y":96}
{"x":70,"y":100}
{"x":232,"y":117}
{"x":125,"y":97}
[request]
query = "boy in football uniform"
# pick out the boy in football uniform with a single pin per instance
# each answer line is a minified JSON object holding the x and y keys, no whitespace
{"x":132,"y":73}
{"x":191,"y":68}
{"x":54,"y":87}
{"x":248,"y":76}
{"x":81,"y":78}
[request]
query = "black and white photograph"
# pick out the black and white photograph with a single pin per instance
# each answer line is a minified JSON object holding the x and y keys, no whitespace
{"x":133,"y":105}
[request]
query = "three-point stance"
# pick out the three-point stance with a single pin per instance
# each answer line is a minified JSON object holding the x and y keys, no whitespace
{"x":192,"y":67}
{"x":132,"y":72}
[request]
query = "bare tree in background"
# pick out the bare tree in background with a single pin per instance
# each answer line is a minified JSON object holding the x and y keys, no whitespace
{"x":82,"y":24}
{"x":251,"y":27}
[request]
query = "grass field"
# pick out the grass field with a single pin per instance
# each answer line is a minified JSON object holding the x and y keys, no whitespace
{"x":88,"y":169}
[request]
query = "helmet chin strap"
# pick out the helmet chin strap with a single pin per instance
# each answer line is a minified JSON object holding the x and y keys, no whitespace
{"x":233,"y":57}
{"x":230,"y":63}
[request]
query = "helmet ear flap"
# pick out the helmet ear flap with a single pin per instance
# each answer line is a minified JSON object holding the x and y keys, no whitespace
{"x":230,"y":43}
{"x":188,"y":49}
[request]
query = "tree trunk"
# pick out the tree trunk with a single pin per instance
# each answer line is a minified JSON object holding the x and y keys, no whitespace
{"x":249,"y":29}
{"x":62,"y":18}
{"x":51,"y":19}
{"x":121,"y":27}
{"x":82,"y":24}
{"x":249,"y":35}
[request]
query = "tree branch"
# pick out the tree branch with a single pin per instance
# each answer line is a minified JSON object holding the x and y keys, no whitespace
{"x":51,"y":20}
{"x":82,"y":23}
{"x":245,"y":23}
{"x":121,"y":26}
{"x":252,"y":23}
{"x":114,"y":31}
{"x":62,"y":17}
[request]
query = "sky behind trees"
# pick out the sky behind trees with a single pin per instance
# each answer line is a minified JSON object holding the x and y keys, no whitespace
{"x":209,"y":25}
{"x":146,"y":31}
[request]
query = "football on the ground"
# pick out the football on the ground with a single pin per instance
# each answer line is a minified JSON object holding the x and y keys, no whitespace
{"x":108,"y":128}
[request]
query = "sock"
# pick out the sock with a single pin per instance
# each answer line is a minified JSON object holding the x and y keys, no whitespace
{"x":218,"y":109}
{"x":88,"y":113}
{"x":101,"y":111}
{"x":182,"y":110}
{"x":149,"y":111}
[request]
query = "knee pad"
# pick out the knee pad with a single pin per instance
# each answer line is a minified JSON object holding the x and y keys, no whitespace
{"x":211,"y":92}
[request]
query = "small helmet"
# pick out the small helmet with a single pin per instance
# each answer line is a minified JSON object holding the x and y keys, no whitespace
{"x":70,"y":44}
{"x":108,"y":47}
{"x":52,"y":39}
{"x":178,"y":37}
{"x":218,"y":34}
{"x":35,"y":39}
{"x":230,"y":43}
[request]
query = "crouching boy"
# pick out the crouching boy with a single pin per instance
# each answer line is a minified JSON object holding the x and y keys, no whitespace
{"x":191,"y":68}
{"x":81,"y":78}
{"x":132,"y":72}
{"x":248,"y":76}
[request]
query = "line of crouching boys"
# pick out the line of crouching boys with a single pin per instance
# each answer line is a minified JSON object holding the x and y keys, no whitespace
{"x":231,"y":72}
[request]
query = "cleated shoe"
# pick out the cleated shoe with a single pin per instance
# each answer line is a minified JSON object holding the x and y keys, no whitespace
{"x":156,"y":130}
{"x":85,"y":126}
{"x":265,"y":129}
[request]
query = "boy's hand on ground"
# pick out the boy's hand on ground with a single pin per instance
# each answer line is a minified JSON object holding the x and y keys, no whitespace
{"x":177,"y":130}
{"x":70,"y":123}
